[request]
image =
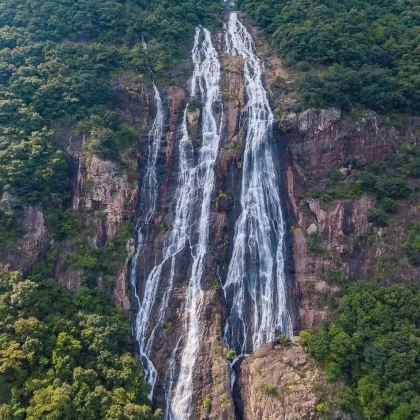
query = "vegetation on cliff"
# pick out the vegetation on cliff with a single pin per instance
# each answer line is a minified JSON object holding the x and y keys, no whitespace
{"x":373,"y":346}
{"x":56,"y":63}
{"x":349,"y":53}
{"x":65,"y":356}
{"x":68,"y":356}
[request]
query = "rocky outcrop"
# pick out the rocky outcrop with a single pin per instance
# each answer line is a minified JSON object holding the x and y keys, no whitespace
{"x":107,"y":192}
{"x":23,"y":254}
{"x":334,"y":239}
{"x":279,"y":382}
{"x":120,"y":296}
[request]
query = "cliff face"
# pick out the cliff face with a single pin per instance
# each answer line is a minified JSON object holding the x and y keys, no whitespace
{"x":319,"y":142}
{"x":105,"y":192}
{"x":35,"y":238}
{"x":280,"y":382}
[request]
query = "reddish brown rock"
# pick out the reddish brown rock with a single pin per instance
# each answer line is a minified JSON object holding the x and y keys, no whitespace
{"x":279,"y":383}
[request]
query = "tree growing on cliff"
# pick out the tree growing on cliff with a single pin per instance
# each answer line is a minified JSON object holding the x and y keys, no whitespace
{"x":373,"y":345}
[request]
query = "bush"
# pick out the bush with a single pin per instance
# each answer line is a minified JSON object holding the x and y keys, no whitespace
{"x":396,"y":188}
{"x":335,"y":277}
{"x":230,"y":355}
{"x":412,"y":246}
{"x":388,"y":204}
{"x":315,"y":244}
{"x":378,"y":217}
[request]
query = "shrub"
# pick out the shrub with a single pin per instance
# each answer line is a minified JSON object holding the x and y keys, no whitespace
{"x":388,"y":204}
{"x":271,"y":390}
{"x":207,"y":404}
{"x":378,"y":217}
{"x":193,"y":105}
{"x":412,"y":246}
{"x":284,"y":341}
{"x":315,"y":243}
{"x":396,"y":188}
{"x":230,"y":355}
{"x":335,"y":277}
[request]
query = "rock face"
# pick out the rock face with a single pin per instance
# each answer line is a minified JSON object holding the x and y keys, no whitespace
{"x":320,"y":141}
{"x":104,"y":192}
{"x":111,"y":195}
{"x":279,"y":383}
{"x":35,"y":240}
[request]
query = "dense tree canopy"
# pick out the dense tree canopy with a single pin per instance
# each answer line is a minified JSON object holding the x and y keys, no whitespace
{"x":374,"y":346}
{"x":65,"y":356}
{"x":351,"y":52}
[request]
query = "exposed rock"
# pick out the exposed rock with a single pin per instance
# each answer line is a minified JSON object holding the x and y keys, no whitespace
{"x":65,"y":274}
{"x":212,"y":368}
{"x":312,"y":229}
{"x":317,"y":119}
{"x":8,"y":201}
{"x":110,"y":193}
{"x":279,"y":383}
{"x":120,"y":296}
{"x":36,"y":240}
{"x":320,"y":141}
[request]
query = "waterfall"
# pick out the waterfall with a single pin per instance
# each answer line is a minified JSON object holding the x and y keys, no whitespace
{"x":190,"y":229}
{"x":198,"y":187}
{"x":148,"y":194}
{"x":255,"y":287}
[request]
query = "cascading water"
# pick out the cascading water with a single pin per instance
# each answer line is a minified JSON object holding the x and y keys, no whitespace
{"x":198,"y":188}
{"x":148,"y":194}
{"x":190,"y":228}
{"x":255,"y":287}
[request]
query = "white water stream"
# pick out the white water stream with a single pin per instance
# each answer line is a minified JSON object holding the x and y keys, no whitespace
{"x":148,"y":194}
{"x":197,"y":188}
{"x":255,"y":288}
{"x":190,"y":228}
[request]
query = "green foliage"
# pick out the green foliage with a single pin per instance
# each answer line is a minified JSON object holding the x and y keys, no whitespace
{"x":283,"y":341}
{"x":350,"y":53}
{"x":57,"y":62}
{"x":193,"y":105}
{"x":230,"y":355}
{"x":270,"y":390}
{"x":315,"y":244}
{"x":104,"y":261}
{"x":388,"y":204}
{"x":412,"y":246}
{"x":378,"y":217}
{"x":61,"y":357}
{"x":207,"y":404}
{"x":373,"y":345}
{"x":335,"y":277}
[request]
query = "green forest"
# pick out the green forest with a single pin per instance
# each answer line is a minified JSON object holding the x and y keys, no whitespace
{"x":65,"y":356}
{"x":350,"y":53}
{"x":373,"y":348}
